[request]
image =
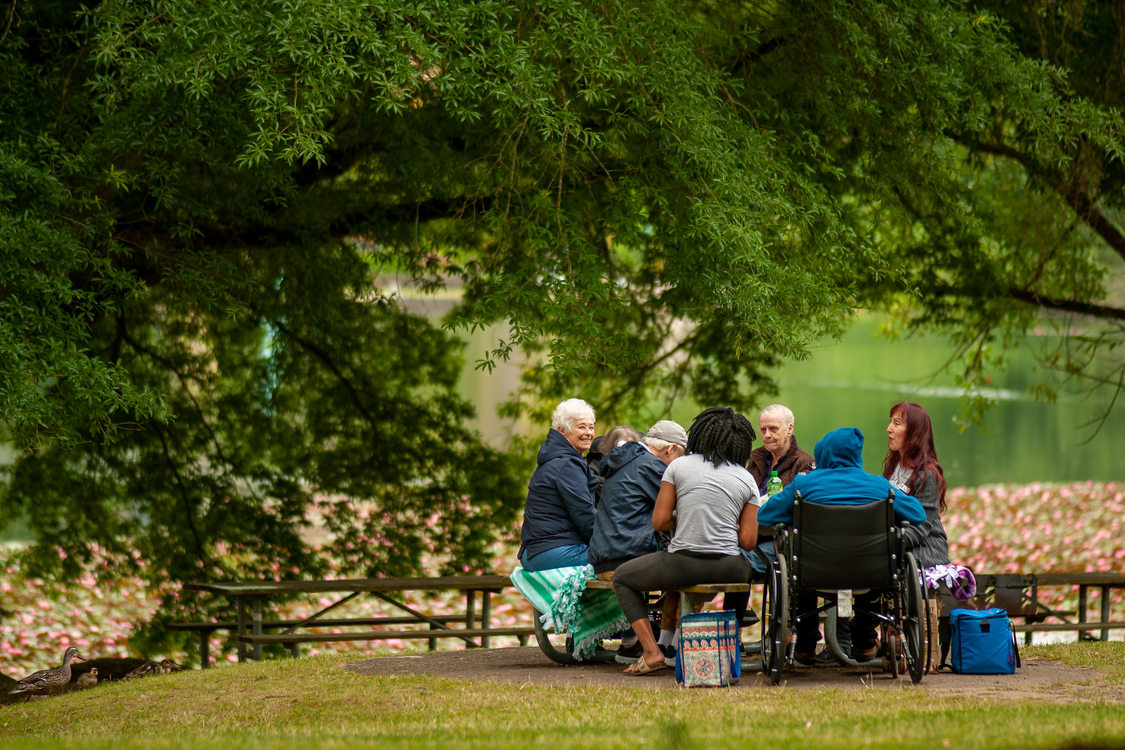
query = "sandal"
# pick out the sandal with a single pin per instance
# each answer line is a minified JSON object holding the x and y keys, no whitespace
{"x":642,"y":667}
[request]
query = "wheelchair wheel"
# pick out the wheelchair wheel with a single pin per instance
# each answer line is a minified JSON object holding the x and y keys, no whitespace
{"x":775,"y":620}
{"x":893,"y":646}
{"x":915,"y":621}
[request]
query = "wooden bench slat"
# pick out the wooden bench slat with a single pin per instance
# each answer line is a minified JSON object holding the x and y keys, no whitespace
{"x":1040,"y":627}
{"x":404,"y":620}
{"x":378,"y":635}
{"x":701,"y":588}
{"x":490,"y":583}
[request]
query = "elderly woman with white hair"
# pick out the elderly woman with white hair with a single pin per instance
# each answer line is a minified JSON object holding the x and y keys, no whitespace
{"x":558,"y":518}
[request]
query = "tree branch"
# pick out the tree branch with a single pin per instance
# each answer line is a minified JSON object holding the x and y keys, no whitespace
{"x":189,"y":511}
{"x":1067,"y":305}
{"x":1077,"y":199}
{"x":751,"y":56}
{"x":327,"y":361}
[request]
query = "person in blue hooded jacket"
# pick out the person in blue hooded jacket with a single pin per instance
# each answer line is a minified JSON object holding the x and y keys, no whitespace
{"x":633,"y":472}
{"x":559,"y":515}
{"x":838,"y":478}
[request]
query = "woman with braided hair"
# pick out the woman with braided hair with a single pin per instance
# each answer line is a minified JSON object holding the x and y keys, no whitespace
{"x":711,"y":501}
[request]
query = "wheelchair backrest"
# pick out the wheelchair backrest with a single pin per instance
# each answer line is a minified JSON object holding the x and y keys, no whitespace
{"x":839,"y":546}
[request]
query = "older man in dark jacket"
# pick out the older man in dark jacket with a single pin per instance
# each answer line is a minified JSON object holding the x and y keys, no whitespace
{"x":779,"y":451}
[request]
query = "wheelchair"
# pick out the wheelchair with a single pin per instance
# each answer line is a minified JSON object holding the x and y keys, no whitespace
{"x":831,"y":548}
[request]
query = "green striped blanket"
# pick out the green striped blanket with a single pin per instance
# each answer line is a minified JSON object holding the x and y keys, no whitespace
{"x":561,"y":595}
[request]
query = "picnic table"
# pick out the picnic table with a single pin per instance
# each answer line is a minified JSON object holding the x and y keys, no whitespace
{"x":251,"y":597}
{"x":1019,"y":594}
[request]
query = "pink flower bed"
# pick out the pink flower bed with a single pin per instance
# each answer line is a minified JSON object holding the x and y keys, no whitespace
{"x":1041,"y":528}
{"x":1034,"y":528}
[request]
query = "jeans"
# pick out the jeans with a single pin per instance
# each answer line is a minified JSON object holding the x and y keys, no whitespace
{"x":569,"y":555}
{"x":757,"y":566}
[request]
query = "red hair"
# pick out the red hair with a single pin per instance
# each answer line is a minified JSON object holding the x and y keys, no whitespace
{"x":917,"y":451}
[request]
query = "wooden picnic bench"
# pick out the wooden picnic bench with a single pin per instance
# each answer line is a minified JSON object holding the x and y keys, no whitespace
{"x":700,"y":588}
{"x":561,"y":652}
{"x":1019,"y":595}
{"x":249,"y":597}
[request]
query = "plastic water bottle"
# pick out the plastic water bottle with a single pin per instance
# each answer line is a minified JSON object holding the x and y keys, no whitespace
{"x":773,"y":486}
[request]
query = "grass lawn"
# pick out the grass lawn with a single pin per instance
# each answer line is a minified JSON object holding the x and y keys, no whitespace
{"x":313,"y":703}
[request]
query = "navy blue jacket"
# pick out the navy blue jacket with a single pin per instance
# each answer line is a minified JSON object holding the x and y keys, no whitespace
{"x":839,"y":478}
{"x":560,"y":499}
{"x":623,"y":527}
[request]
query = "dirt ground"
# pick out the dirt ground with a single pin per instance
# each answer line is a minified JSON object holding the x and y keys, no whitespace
{"x":1037,"y":678}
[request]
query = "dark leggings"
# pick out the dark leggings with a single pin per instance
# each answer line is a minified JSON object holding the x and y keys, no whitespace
{"x":663,"y":571}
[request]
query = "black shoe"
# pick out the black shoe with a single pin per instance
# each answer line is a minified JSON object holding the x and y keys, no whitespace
{"x":750,"y":618}
{"x":629,"y":654}
{"x":669,"y":655}
{"x":826,"y":659}
{"x":805,"y":659}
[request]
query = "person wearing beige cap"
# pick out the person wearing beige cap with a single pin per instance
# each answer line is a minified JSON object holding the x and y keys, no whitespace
{"x":623,"y":530}
{"x":633,"y":471}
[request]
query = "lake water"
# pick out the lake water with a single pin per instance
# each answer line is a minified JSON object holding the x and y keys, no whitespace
{"x":856,"y":381}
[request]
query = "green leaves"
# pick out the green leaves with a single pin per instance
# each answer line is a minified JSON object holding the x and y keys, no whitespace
{"x":203,"y":207}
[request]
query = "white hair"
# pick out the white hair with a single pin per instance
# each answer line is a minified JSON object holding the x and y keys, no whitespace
{"x":778,"y":410}
{"x":568,"y":412}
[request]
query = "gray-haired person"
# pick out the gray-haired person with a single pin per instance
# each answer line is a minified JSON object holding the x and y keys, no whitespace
{"x":558,"y":517}
{"x":633,"y":469}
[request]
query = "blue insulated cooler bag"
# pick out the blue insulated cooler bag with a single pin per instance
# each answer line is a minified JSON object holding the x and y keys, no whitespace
{"x":982,"y":642}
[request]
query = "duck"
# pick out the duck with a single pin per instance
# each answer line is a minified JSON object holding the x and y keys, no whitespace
{"x":152,"y":667}
{"x":87,"y":679}
{"x":47,"y":681}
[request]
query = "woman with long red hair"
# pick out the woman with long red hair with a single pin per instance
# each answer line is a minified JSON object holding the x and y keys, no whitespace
{"x":912,"y":466}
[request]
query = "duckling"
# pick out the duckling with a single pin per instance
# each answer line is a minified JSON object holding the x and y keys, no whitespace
{"x":87,"y":679}
{"x":47,"y":681}
{"x":151,"y":667}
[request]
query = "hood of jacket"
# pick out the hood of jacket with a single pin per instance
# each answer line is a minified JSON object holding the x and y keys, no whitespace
{"x":556,"y":446}
{"x":840,"y":448}
{"x":621,"y":456}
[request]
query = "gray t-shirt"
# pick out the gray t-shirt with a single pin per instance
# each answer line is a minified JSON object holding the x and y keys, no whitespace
{"x":709,"y":501}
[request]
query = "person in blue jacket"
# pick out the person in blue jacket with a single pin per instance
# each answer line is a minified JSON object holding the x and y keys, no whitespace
{"x":633,"y":470}
{"x":559,"y":515}
{"x":838,"y":478}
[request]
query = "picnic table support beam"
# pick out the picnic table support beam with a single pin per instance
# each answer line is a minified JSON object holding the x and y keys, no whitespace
{"x":316,"y":615}
{"x":423,"y":618}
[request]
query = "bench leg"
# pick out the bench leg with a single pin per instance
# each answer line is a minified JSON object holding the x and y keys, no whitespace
{"x":257,"y":625}
{"x":486,"y":616}
{"x":1105,"y":611}
{"x":205,"y":649}
{"x":1081,"y":611}
{"x":240,"y":616}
